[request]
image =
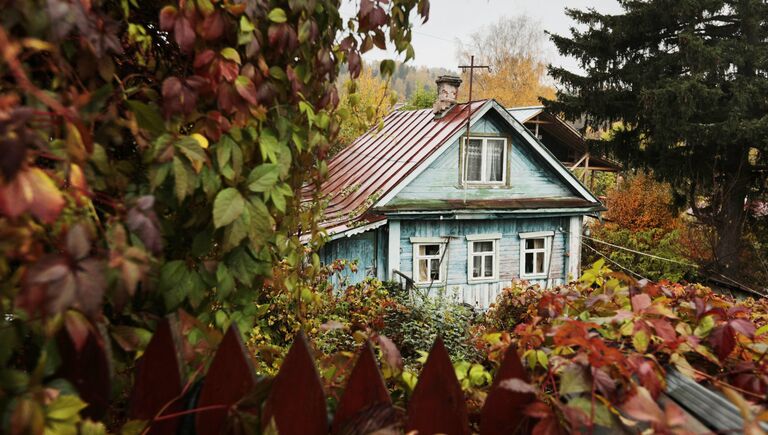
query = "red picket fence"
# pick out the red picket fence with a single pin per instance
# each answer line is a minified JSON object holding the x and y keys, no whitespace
{"x":295,"y":400}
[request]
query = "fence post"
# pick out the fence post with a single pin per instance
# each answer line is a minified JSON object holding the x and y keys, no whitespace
{"x":437,"y":404}
{"x":502,"y":412}
{"x":159,"y":381}
{"x":296,"y":400}
{"x":230,"y":377}
{"x":364,"y":396}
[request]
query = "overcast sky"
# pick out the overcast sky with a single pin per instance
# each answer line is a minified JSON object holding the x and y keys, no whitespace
{"x":449,"y":20}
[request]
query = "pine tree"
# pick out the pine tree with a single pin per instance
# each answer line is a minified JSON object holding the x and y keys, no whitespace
{"x":687,"y":80}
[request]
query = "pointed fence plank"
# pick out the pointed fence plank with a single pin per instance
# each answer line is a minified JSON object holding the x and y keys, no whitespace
{"x":159,"y":381}
{"x":296,"y":401}
{"x":230,"y":377}
{"x":437,"y":404}
{"x":364,"y":395}
{"x":87,"y":369}
{"x":502,"y":412}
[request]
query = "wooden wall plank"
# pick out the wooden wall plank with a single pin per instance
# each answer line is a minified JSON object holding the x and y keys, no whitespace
{"x":437,"y":404}
{"x":296,"y":401}
{"x":502,"y":412}
{"x":159,"y":380}
{"x":364,"y":393}
{"x":230,"y":377}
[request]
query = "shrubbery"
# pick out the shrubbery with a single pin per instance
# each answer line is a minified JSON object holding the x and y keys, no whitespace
{"x":641,"y":217}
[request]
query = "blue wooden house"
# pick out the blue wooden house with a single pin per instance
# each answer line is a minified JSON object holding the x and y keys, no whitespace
{"x":456,"y":213}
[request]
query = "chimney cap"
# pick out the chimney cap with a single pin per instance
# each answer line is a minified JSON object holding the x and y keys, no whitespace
{"x":449,"y":79}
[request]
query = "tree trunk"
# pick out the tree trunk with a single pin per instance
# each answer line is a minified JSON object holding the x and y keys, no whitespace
{"x":730,"y":222}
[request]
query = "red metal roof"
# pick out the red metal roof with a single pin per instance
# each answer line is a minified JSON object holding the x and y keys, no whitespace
{"x":377,"y":161}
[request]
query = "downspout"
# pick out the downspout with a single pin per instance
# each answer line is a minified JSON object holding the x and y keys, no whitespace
{"x":549,"y":260}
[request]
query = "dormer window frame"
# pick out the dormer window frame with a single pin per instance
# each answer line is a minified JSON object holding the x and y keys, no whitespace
{"x":484,"y":161}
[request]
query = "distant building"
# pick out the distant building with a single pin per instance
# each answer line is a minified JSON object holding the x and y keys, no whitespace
{"x":418,"y":202}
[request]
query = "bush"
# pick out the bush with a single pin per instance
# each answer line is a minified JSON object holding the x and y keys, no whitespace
{"x":417,"y":319}
{"x":641,"y":216}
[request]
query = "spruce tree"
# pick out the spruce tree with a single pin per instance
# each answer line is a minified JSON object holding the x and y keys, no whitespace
{"x":687,"y":83}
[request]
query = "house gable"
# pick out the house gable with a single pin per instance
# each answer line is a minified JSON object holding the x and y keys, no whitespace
{"x":529,"y":174}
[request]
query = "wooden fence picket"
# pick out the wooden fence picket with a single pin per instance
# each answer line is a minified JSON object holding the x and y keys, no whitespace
{"x":437,"y":404}
{"x":230,"y":377}
{"x":502,"y":412}
{"x":159,"y":380}
{"x":88,"y":369}
{"x":365,"y":397}
{"x":296,"y":399}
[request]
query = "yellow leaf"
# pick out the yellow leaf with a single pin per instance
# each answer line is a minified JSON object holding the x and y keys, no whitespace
{"x":201,"y":140}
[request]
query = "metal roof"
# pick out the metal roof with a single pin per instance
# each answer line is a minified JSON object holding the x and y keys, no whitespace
{"x":375,"y":162}
{"x":524,"y":114}
{"x":569,"y":136}
{"x":378,"y":163}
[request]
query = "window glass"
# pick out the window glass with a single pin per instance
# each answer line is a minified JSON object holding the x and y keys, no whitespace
{"x":529,"y":263}
{"x":483,"y":247}
{"x":429,"y":250}
{"x":494,"y":164}
{"x":485,"y":161}
{"x":482,"y":259}
{"x":474,"y":160}
{"x":477,"y":264}
{"x":535,"y":251}
{"x":427,"y":262}
{"x":488,"y":266}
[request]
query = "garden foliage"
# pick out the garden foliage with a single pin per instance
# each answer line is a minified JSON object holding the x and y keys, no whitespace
{"x":153,"y":155}
{"x":597,"y":350}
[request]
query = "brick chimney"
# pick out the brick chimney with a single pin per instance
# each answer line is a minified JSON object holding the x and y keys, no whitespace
{"x":447,"y":90}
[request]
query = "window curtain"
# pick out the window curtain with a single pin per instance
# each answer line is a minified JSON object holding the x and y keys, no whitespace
{"x":474,"y":160}
{"x":495,"y":160}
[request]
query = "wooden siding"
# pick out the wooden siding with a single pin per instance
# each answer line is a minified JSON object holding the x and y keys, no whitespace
{"x":527,"y":175}
{"x":360,"y":247}
{"x":457,"y":284}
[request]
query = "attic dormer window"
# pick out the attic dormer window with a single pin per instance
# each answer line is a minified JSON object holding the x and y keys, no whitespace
{"x":485,"y":161}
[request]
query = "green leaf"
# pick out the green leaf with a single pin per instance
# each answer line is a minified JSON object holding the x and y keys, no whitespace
{"x":237,"y":231}
{"x":263,"y":177}
{"x":148,"y":117}
{"x":174,"y":278}
{"x":705,"y":325}
{"x":640,"y":341}
{"x":65,"y":407}
{"x":225,"y":281}
{"x":246,"y":25}
{"x":191,"y":148}
{"x":230,"y":53}
{"x":387,"y":67}
{"x":277,"y":15}
{"x":183,"y":178}
{"x":227,"y":207}
{"x":573,"y":381}
{"x":268,"y":145}
{"x":602,"y":414}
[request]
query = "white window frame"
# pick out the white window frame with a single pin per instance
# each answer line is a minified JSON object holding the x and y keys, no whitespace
{"x":548,"y":237}
{"x":417,"y":242}
{"x":483,"y":161}
{"x":475,"y":238}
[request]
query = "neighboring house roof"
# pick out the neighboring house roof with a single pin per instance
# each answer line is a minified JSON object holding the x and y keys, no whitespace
{"x":563,"y":131}
{"x":364,"y":176}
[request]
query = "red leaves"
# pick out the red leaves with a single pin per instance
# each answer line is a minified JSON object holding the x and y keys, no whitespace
{"x":71,"y":279}
{"x":142,"y":220}
{"x":184,"y":33}
{"x":245,"y":88}
{"x":180,"y":96}
{"x":168,"y":16}
{"x":642,"y":407}
{"x":34,"y":192}
{"x":212,"y":26}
